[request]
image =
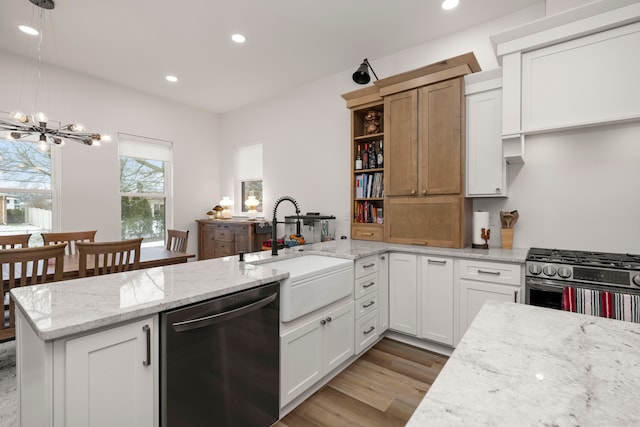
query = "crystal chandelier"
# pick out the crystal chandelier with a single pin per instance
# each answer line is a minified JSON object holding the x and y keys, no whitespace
{"x":20,"y":125}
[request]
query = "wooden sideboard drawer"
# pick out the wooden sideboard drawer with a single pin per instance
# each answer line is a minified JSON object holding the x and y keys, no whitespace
{"x":223,"y":234}
{"x":486,"y":271}
{"x":223,"y":248}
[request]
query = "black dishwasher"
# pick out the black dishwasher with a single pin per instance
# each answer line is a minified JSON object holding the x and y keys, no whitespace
{"x":220,"y":361}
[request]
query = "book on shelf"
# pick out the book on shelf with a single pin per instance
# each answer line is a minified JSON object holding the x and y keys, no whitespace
{"x":369,"y":185}
{"x":366,"y":212}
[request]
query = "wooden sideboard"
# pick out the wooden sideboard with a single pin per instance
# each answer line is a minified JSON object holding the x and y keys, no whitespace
{"x":224,"y":237}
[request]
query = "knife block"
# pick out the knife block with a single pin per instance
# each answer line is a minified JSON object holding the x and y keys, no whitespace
{"x":506,"y":234}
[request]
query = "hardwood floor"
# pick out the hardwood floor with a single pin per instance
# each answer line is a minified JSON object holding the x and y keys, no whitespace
{"x":381,"y":388}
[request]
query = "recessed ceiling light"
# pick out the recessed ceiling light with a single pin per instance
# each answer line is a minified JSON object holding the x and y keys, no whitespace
{"x":450,"y":4}
{"x":28,"y":30}
{"x":172,"y":79}
{"x":238,"y":38}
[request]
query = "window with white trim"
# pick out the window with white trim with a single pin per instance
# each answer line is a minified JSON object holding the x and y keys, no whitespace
{"x":248,"y":171}
{"x":145,"y":188}
{"x":26,"y":188}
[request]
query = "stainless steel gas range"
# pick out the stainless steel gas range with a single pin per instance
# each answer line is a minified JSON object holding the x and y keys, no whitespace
{"x":549,"y":271}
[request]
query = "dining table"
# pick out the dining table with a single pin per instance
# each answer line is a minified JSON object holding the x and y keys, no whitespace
{"x":150,"y":256}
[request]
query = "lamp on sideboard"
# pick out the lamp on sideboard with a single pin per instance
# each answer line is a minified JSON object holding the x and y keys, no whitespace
{"x":226,"y":204}
{"x":251,"y":203}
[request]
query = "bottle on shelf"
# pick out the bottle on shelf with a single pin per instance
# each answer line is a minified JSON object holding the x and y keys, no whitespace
{"x":365,"y":157}
{"x":358,"y":165}
{"x":380,"y":157}
{"x":372,"y":155}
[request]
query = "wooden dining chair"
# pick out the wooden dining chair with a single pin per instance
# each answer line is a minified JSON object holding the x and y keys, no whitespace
{"x":13,"y":241}
{"x":24,"y":267}
{"x":97,"y":258}
{"x":71,"y":238}
{"x":177,"y":240}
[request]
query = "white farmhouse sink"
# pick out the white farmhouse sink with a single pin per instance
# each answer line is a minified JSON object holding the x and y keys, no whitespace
{"x":314,"y":281}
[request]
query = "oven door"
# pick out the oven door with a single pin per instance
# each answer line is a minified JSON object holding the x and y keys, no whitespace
{"x":543,"y":293}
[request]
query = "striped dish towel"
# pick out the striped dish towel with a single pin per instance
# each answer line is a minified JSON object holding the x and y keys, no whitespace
{"x":613,"y":305}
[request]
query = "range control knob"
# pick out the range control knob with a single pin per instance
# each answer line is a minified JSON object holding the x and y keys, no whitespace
{"x":636,"y":280}
{"x":564,"y":272}
{"x":535,"y":269}
{"x":549,"y":270}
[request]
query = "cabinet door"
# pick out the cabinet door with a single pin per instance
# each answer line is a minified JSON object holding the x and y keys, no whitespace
{"x":403,"y":293}
{"x":428,"y":221}
{"x":383,"y":293}
{"x":486,"y":166}
{"x":400,"y":149}
{"x":242,"y":239}
{"x":106,"y":381}
{"x":339,"y":343}
{"x":439,"y":143}
{"x":437,"y":299}
{"x":206,"y":241}
{"x":473,"y":295}
{"x":301,"y":363}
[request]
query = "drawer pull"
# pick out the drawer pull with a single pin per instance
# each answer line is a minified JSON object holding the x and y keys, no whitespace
{"x":368,"y":285}
{"x":367,"y":234}
{"x":419,"y":243}
{"x":436,"y":261}
{"x":369,"y":304}
{"x":369,"y":265}
{"x":493,"y":273}
{"x":371,"y":329}
{"x":515,"y":296}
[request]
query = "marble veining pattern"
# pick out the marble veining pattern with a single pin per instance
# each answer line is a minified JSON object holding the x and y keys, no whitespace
{"x":530,"y":366}
{"x":64,"y":308}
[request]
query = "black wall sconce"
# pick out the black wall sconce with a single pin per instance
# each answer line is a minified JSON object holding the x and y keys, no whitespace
{"x":361,"y":76}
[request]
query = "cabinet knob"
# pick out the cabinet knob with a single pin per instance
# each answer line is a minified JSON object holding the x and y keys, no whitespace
{"x":424,"y":192}
{"x":413,"y":191}
{"x":497,"y":189}
{"x":323,"y":322}
{"x":328,"y":319}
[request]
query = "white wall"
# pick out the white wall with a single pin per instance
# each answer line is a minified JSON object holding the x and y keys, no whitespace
{"x":90,"y":175}
{"x":576,"y":190}
{"x":305,"y":132}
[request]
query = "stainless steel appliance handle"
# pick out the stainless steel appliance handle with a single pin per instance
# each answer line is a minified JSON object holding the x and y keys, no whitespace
{"x":147,"y":330}
{"x":201,"y":322}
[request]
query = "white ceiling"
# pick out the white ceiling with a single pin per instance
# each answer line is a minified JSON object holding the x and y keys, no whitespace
{"x":135,"y":43}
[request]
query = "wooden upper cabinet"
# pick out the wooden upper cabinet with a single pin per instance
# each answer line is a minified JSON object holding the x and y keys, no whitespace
{"x":401,"y":119}
{"x":440,"y":138}
{"x":423,"y":128}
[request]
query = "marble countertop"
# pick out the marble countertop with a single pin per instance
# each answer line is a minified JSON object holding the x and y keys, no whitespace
{"x":60,"y":309}
{"x":531,"y":366}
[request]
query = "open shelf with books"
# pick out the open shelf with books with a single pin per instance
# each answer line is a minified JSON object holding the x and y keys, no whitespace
{"x":367,"y":163}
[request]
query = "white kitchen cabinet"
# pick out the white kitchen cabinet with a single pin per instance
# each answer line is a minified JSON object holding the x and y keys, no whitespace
{"x":403,"y":293}
{"x":383,"y":293}
{"x":366,"y":331}
{"x":572,"y":69}
{"x":109,"y":377}
{"x":324,"y":339}
{"x":479,"y":281}
{"x":486,"y":165}
{"x":91,"y":380}
{"x":436,"y":299}
{"x":582,"y":82}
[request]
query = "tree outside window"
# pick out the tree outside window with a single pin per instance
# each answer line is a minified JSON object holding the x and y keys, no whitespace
{"x":25,"y":189}
{"x":142,"y":188}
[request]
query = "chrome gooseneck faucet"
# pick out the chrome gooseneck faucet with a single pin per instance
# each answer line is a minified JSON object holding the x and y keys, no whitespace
{"x":274,"y":225}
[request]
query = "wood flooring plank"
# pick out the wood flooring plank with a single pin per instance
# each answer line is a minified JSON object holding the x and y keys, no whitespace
{"x":380,"y":389}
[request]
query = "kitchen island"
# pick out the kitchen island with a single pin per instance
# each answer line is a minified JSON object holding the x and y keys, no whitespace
{"x":521,"y":365}
{"x":61,"y":325}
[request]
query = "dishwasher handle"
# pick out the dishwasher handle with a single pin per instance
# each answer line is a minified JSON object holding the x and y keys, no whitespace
{"x":202,"y":322}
